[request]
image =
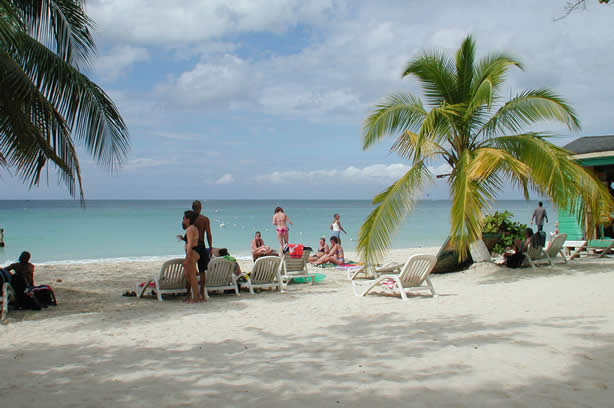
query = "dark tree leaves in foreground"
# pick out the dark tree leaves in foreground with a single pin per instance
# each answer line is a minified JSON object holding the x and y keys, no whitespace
{"x":47,"y":105}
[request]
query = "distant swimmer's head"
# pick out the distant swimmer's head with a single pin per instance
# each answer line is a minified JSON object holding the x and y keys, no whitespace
{"x":223,"y":251}
{"x":278,"y":209}
{"x":197,"y":206}
{"x":188,"y":218}
{"x":24,"y":257}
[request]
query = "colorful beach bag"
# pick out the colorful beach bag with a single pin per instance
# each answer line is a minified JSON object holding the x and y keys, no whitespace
{"x":44,"y":294}
{"x":295,"y":250}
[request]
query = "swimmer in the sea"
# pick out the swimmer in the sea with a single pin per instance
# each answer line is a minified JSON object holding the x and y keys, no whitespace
{"x":281,"y":221}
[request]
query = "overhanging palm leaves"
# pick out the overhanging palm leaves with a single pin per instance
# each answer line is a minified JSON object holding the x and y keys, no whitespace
{"x":46,"y":103}
{"x":481,"y":139}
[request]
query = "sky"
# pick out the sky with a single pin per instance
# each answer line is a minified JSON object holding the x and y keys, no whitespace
{"x":265,"y":99}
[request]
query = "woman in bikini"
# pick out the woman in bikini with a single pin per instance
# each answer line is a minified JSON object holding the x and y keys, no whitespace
{"x":192,"y":256}
{"x":335,"y":255}
{"x":322,"y":250}
{"x":258,"y":247}
{"x":281,"y":221}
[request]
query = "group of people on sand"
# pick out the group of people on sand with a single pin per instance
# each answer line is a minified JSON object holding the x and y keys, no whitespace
{"x":198,"y":228}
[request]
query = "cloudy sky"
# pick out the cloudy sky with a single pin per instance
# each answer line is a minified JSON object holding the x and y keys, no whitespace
{"x":265,"y":98}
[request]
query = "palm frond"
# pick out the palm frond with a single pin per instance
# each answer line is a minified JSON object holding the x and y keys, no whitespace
{"x":392,"y":208}
{"x":91,"y":116}
{"x":436,"y":73}
{"x":396,"y":113}
{"x":465,"y":57}
{"x":469,"y":198}
{"x":62,"y":26}
{"x":527,"y":108}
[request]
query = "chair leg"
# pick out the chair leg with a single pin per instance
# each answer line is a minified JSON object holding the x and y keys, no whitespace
{"x":158,"y":293}
{"x":430,"y":284}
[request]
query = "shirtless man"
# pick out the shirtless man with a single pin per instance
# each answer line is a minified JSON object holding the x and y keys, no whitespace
{"x":281,"y":220}
{"x":258,"y":247}
{"x":191,"y":256}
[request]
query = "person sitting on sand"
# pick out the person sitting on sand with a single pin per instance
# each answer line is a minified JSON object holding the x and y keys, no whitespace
{"x":191,"y":256}
{"x":322,"y":250}
{"x":258,"y":247}
{"x":23,"y":268}
{"x":335,"y":254}
{"x":281,"y":220}
{"x":514,"y":256}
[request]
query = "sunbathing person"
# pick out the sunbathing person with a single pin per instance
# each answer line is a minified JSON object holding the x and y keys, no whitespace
{"x":322,"y":250}
{"x":258,"y":247}
{"x":514,"y":256}
{"x":334,"y":255}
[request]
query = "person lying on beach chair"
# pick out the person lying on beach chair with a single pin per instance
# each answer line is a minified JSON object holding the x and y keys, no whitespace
{"x":514,"y":258}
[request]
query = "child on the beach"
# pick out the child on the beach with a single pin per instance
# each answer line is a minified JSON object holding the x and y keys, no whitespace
{"x":281,"y":220}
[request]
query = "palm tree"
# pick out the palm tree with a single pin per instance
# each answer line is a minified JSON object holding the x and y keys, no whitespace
{"x":481,"y":139}
{"x":47,"y":105}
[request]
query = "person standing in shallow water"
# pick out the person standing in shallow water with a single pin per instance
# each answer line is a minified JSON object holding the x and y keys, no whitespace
{"x":281,"y":220}
{"x":538,"y":216}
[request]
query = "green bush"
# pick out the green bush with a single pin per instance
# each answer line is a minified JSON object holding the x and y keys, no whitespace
{"x":508,"y":230}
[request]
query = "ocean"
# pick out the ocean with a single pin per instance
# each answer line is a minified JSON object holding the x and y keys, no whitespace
{"x":56,"y":231}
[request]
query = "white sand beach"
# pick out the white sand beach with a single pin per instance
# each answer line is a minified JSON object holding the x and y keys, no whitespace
{"x":494,"y":336}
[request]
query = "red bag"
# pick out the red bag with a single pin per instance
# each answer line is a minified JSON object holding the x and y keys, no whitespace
{"x":295,"y":250}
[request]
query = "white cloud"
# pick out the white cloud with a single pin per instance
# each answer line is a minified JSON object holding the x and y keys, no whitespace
{"x":119,"y":60}
{"x":225,"y":179}
{"x":143,"y":162}
{"x":191,"y":21}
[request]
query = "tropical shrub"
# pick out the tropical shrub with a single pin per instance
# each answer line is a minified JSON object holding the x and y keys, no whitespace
{"x":506,"y":230}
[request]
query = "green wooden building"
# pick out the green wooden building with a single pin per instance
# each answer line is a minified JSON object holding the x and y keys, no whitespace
{"x":596,"y":153}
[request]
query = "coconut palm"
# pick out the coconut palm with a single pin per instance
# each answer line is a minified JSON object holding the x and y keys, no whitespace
{"x":47,"y":105}
{"x":482,"y":139}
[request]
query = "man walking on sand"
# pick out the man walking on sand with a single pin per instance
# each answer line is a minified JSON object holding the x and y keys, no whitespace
{"x":538,"y":215}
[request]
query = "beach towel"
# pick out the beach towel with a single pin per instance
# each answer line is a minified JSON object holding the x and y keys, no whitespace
{"x":295,"y":250}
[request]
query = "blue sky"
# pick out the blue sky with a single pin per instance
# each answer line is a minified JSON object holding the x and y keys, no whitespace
{"x":265,"y":99}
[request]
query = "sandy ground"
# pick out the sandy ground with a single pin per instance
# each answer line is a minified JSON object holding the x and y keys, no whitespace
{"x":494,"y":336}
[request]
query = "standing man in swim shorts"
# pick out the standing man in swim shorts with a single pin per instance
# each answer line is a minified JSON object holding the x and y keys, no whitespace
{"x":538,"y":215}
{"x":204,"y":227}
{"x":281,"y":220}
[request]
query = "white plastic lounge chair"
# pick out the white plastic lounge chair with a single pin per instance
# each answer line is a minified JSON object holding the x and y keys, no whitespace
{"x":604,"y":245}
{"x":265,"y":274}
{"x":7,"y":295}
{"x":292,"y":268}
{"x":414,"y":273}
{"x":353,"y":272}
{"x":555,"y":246}
{"x":170,"y":280}
{"x":534,"y":254}
{"x":220,"y":276}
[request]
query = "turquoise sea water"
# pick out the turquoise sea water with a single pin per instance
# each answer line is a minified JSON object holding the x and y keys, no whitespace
{"x":56,"y":231}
